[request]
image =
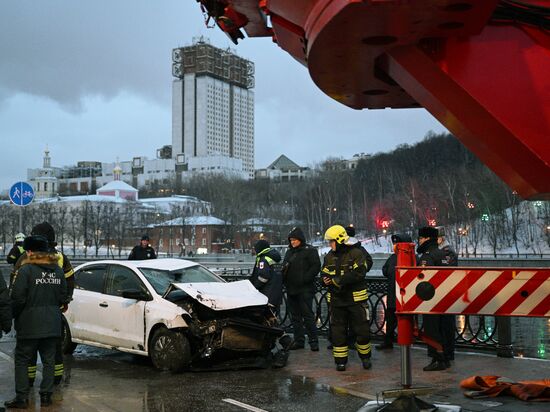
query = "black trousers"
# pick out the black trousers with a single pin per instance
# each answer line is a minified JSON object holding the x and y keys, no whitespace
{"x":440,"y":328}
{"x":356,"y":316}
{"x":59,"y":368}
{"x":391,"y":324}
{"x":302,"y":317}
{"x":25,"y":351}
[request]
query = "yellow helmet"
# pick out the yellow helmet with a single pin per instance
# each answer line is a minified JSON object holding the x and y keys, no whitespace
{"x":337,"y":233}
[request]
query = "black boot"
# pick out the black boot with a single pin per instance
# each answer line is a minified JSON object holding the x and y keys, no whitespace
{"x":17,"y":403}
{"x":45,"y":399}
{"x":366,"y":363}
{"x":314,"y":346}
{"x":340,"y":367}
{"x":436,"y":365}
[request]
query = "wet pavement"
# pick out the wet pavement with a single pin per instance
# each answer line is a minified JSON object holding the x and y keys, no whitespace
{"x":104,"y":380}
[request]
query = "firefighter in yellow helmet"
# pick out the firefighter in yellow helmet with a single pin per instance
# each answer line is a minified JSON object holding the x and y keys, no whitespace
{"x":343,"y":273}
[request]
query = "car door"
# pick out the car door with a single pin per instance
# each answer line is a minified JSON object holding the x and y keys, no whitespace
{"x":84,"y":315}
{"x":123,"y":318}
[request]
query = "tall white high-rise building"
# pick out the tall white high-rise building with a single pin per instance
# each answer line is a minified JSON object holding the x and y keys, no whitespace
{"x":212,"y":105}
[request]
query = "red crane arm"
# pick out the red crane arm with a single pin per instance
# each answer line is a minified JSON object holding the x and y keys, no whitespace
{"x":481,"y":67}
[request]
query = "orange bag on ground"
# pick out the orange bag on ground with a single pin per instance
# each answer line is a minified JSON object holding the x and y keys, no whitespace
{"x":534,"y":390}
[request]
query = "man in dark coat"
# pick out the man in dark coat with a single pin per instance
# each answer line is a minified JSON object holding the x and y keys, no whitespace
{"x":5,"y":307}
{"x":388,"y":270}
{"x":38,"y":291}
{"x":449,"y":321}
{"x":434,"y":326}
{"x":143,"y":251}
{"x":300,"y":268}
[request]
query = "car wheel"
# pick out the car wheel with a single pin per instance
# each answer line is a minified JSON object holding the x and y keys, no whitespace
{"x":170,"y":350}
{"x":67,"y":344}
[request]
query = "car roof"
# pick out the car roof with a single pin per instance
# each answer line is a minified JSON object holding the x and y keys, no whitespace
{"x":161,"y":264}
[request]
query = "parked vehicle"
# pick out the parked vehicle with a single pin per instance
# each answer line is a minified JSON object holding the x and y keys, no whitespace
{"x":175,"y":311}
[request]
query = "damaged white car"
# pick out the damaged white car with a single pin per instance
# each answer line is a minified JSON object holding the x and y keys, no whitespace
{"x":175,"y":311}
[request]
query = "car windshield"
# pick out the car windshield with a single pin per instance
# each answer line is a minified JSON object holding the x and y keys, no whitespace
{"x":161,"y":279}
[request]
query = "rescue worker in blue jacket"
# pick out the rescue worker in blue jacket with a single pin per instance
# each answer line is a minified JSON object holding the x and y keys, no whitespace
{"x":343,"y":273}
{"x":38,"y":291}
{"x":267,"y":278}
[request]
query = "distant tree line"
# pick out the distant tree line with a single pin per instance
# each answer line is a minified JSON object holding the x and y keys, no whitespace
{"x":436,"y":181}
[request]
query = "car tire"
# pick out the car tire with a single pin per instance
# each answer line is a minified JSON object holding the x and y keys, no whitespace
{"x":170,"y":350}
{"x":67,"y":345}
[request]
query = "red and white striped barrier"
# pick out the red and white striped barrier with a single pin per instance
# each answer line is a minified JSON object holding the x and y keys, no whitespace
{"x":473,"y":291}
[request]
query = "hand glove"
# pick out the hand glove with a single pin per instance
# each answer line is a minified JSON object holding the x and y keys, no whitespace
{"x":327,"y":280}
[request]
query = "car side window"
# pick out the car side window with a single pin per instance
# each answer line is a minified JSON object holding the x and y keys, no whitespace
{"x":91,"y":278}
{"x":121,"y":278}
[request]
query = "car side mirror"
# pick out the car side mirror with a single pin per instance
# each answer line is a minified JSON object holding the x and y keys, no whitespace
{"x":135,"y":294}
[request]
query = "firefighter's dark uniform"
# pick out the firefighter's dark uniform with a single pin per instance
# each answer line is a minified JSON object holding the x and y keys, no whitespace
{"x":38,"y":291}
{"x":15,"y":253}
{"x":347,"y":295}
{"x":65,"y":264}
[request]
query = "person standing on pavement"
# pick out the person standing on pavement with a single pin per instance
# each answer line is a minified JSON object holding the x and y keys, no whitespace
{"x":17,"y":250}
{"x":388,"y":270}
{"x":434,"y":325}
{"x":143,"y":251}
{"x":449,"y":321}
{"x":267,"y":278}
{"x":5,"y":307}
{"x":38,"y":291}
{"x":343,"y":273}
{"x":301,"y":266}
{"x":45,"y":229}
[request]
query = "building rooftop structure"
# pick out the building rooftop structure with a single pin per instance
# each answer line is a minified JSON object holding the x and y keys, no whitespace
{"x":283,"y":169}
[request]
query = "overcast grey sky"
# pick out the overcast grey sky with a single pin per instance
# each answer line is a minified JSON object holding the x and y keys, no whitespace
{"x":92,"y":80}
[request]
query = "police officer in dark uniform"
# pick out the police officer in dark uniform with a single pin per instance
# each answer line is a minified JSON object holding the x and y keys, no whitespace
{"x":388,"y":270}
{"x":434,"y":326}
{"x":38,"y":291}
{"x":449,"y":321}
{"x":143,"y":251}
{"x":267,"y":278}
{"x":343,"y":273}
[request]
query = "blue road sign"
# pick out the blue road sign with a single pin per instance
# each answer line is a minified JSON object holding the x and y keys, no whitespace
{"x":21,"y":194}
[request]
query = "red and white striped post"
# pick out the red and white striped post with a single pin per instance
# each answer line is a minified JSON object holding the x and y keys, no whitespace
{"x":405,"y":323}
{"x":463,"y":291}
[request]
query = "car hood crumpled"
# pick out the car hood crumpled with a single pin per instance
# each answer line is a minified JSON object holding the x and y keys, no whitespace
{"x":224,"y":296}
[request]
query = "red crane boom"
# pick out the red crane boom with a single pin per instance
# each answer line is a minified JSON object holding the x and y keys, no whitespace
{"x":481,"y":67}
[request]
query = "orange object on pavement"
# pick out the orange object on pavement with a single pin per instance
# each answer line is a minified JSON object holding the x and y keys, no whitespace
{"x":534,"y":390}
